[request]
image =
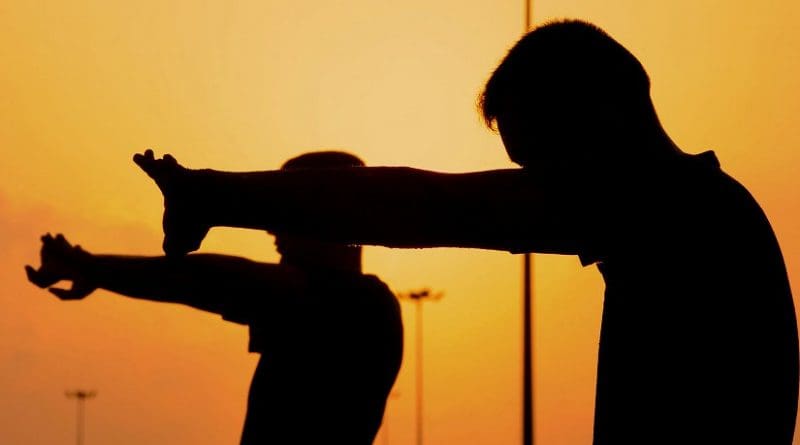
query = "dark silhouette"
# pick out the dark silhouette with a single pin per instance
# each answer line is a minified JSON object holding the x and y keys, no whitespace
{"x":699,"y":339}
{"x":330,"y":337}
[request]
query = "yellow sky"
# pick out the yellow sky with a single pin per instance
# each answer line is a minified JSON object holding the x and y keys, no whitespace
{"x":246,"y":85}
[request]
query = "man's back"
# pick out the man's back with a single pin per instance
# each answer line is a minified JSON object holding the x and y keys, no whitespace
{"x":328,"y":362}
{"x":699,"y":338}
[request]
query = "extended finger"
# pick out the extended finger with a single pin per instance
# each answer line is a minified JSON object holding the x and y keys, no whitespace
{"x":38,"y":278}
{"x":61,"y":241}
{"x":64,"y":294}
{"x":140,"y":160}
{"x":169,"y":160}
{"x":145,"y":160}
{"x":49,"y":241}
{"x":78,"y":291}
{"x":54,"y":247}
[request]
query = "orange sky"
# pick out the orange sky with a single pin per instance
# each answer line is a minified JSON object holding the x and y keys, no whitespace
{"x":246,"y":85}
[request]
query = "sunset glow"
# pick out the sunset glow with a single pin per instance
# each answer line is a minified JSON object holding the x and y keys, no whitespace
{"x":247,"y":85}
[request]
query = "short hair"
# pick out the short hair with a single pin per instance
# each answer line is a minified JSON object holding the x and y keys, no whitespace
{"x":567,"y":61}
{"x":323,"y":159}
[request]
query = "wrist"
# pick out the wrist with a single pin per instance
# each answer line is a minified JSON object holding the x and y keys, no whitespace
{"x":86,"y":265}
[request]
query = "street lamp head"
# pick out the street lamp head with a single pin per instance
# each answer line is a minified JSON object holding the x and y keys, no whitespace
{"x":80,"y":394}
{"x":422,"y":294}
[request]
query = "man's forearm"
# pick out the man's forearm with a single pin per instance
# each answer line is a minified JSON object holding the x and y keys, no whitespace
{"x":390,"y":206}
{"x":203,"y":281}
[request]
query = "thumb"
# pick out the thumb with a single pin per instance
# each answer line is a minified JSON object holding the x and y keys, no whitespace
{"x":64,"y":294}
{"x":37,"y":278}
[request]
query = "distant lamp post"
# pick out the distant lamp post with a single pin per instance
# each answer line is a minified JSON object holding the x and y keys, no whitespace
{"x":527,"y":321}
{"x":81,"y":396}
{"x":418,"y":297}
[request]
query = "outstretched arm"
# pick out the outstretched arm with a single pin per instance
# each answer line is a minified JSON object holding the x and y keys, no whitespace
{"x":203,"y":281}
{"x":389,"y":206}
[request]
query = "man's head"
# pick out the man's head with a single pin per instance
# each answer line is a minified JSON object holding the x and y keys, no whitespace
{"x":322,"y":159}
{"x":307,"y":252}
{"x":567,"y":94}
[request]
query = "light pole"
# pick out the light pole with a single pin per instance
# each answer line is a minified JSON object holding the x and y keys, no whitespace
{"x":527,"y":323}
{"x":81,"y":396}
{"x":527,"y":352}
{"x":418,"y":297}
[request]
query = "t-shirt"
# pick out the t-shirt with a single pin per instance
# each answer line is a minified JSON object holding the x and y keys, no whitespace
{"x":698,"y":341}
{"x":329,"y":358}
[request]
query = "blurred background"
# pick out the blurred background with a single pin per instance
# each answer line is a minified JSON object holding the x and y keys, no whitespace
{"x":246,"y":85}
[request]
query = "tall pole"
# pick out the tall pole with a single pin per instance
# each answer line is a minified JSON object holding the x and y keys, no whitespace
{"x":418,"y":298}
{"x":527,"y":306}
{"x":528,"y":14}
{"x":80,"y":396}
{"x":527,"y":366}
{"x":419,"y":376}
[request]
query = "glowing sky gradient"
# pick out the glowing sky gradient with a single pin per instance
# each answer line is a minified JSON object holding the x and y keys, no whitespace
{"x":246,"y":85}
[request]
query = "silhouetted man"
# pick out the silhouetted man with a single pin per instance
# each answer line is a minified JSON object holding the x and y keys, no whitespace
{"x":698,"y":341}
{"x":330,"y":337}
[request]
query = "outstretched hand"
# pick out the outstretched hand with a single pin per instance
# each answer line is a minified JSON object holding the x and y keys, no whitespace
{"x":163,"y":170}
{"x":62,"y":261}
{"x":183,"y":228}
